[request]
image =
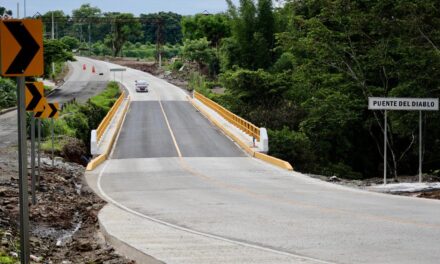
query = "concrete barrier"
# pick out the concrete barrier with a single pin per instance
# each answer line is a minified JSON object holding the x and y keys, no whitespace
{"x":94,"y":143}
{"x":264,"y":140}
{"x":103,"y":157}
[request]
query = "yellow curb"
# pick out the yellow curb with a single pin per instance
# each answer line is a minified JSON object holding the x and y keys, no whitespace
{"x":264,"y":157}
{"x":103,"y":157}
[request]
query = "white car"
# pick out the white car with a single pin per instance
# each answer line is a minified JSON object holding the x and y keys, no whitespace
{"x":141,"y":86}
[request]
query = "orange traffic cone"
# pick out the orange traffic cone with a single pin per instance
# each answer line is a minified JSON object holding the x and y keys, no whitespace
{"x":93,"y":69}
{"x":84,"y":67}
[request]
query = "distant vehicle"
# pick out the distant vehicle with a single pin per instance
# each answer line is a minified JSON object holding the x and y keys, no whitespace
{"x":141,"y":86}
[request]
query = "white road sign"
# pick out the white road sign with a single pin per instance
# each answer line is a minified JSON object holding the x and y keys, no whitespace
{"x":118,"y":69}
{"x":409,"y":104}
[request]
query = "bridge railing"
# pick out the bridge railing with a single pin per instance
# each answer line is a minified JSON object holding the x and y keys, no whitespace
{"x":106,"y":121}
{"x":244,"y":125}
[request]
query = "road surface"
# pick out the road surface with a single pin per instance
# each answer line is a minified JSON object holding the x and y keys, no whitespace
{"x":81,"y":84}
{"x":172,"y":166}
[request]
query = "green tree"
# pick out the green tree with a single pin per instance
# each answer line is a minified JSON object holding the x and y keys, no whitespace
{"x":71,"y":42}
{"x":266,"y":36}
{"x":199,"y":51}
{"x":167,"y":22}
{"x":55,"y":51}
{"x":62,"y":26}
{"x":213,"y":27}
{"x":82,"y":18}
{"x":5,"y":12}
{"x":253,"y":32}
{"x":124,"y":25}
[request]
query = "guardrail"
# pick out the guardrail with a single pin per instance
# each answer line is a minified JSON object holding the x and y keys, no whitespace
{"x":244,"y":125}
{"x":104,"y":156}
{"x":106,"y":121}
{"x":261,"y":156}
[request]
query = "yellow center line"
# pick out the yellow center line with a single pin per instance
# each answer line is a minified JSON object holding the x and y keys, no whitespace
{"x":186,"y":167}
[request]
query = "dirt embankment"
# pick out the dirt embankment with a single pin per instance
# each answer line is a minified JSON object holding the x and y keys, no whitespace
{"x":63,"y":225}
{"x":367,"y":183}
{"x":179,"y":78}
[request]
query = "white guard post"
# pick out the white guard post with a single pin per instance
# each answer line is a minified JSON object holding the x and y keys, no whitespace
{"x":94,"y":143}
{"x":264,"y":140}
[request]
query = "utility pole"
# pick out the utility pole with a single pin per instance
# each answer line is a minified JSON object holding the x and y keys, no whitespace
{"x":24,"y":11}
{"x":18,"y":10}
{"x":159,"y":41}
{"x":90,"y":39}
{"x":53,"y":37}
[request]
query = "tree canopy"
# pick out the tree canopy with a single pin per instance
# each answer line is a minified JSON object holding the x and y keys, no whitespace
{"x":305,"y":70}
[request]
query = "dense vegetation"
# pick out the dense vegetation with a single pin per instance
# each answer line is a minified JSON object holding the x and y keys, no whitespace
{"x":305,"y":71}
{"x":92,"y":31}
{"x":8,"y":97}
{"x":78,"y":120}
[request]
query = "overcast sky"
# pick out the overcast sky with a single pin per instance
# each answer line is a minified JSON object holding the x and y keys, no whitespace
{"x":184,"y":7}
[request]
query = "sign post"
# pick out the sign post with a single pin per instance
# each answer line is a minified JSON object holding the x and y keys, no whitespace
{"x":420,"y":146}
{"x":53,"y":139}
{"x":23,"y":181}
{"x":385,"y":149}
{"x":51,"y":110}
{"x":122,"y":70}
{"x":407,"y":104}
{"x":34,"y":102}
{"x":21,"y":55}
{"x":39,"y":153}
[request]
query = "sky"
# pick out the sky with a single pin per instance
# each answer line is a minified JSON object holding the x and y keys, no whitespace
{"x":184,"y":7}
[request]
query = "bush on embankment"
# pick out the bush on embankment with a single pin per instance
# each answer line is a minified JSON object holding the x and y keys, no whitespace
{"x":77,"y":121}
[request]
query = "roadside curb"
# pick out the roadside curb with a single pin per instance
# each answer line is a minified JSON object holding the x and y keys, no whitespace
{"x":7,"y":110}
{"x":264,"y":157}
{"x":123,"y":248}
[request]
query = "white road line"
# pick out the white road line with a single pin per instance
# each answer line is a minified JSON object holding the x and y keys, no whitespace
{"x":109,"y":199}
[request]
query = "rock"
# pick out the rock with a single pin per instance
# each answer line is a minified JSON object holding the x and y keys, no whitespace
{"x":84,"y":245}
{"x":3,"y":191}
{"x":13,"y":254}
{"x":5,"y":242}
{"x":334,"y":179}
{"x":36,"y":259}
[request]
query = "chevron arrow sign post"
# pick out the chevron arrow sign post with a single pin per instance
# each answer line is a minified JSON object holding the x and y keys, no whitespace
{"x":21,"y":45}
{"x":51,"y":110}
{"x":21,"y":55}
{"x":35,"y":100}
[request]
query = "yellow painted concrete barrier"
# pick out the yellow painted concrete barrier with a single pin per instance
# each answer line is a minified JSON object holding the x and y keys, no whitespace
{"x":103,"y":157}
{"x":274,"y":161}
{"x":246,"y":126}
{"x":106,"y":121}
{"x":264,"y":157}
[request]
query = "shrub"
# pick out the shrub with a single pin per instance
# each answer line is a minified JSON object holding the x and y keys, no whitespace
{"x":177,"y":65}
{"x":8,"y":97}
{"x":294,"y":147}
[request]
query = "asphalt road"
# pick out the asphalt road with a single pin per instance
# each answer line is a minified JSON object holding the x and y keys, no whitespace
{"x":212,"y":188}
{"x":81,"y":84}
{"x":8,"y":129}
{"x":145,"y":133}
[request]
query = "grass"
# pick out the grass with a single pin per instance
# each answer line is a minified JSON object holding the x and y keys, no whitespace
{"x":107,"y":98}
{"x":59,"y":142}
{"x":5,"y":259}
{"x":76,"y":120}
